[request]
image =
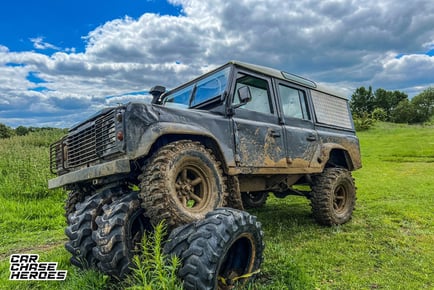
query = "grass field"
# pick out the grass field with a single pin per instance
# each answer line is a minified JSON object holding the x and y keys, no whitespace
{"x":389,"y":243}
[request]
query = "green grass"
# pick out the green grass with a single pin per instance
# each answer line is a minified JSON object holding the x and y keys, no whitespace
{"x":152,"y":271}
{"x":389,"y":243}
{"x":31,"y":215}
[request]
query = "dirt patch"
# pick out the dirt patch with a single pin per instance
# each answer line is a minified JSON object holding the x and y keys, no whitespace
{"x":32,"y":250}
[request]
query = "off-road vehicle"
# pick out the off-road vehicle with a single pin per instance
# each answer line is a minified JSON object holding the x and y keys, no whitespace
{"x":228,"y":138}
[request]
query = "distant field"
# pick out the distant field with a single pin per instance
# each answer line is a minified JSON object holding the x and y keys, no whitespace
{"x":389,"y":243}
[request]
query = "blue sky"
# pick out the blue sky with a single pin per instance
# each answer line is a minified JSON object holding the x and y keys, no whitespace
{"x":63,"y":23}
{"x":61,"y":61}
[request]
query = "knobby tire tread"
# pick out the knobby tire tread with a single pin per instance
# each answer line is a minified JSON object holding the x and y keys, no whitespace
{"x":322,"y":192}
{"x":156,"y":199}
{"x":201,"y":245}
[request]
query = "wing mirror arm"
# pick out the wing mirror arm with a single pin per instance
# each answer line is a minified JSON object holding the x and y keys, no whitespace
{"x":244,"y":96}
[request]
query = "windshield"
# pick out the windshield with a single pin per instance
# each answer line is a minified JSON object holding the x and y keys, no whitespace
{"x":199,"y":92}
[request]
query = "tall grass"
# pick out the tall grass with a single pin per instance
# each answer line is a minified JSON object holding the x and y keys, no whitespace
{"x":389,"y":243}
{"x":31,"y":215}
{"x":24,"y":166}
{"x":152,"y":269}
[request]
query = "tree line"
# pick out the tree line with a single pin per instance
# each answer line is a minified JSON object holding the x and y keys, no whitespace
{"x":392,"y":106}
{"x":7,"y":132}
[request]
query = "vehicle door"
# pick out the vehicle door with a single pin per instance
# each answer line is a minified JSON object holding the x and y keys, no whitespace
{"x":300,"y":137}
{"x":259,"y":139}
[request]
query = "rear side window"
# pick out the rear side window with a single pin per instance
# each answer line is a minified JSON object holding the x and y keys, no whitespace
{"x":293,"y":103}
{"x":331,"y":110}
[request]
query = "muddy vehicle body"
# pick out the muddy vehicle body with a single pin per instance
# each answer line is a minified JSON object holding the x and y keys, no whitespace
{"x":228,"y":138}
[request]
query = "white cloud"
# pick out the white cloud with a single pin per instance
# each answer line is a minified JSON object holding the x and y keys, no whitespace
{"x":39,"y":43}
{"x":342,"y":43}
{"x":407,"y":71}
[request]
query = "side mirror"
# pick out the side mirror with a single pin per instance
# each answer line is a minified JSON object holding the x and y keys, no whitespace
{"x":244,"y":95}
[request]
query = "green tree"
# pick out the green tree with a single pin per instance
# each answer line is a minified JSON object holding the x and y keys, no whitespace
{"x":21,"y":131}
{"x":5,"y":131}
{"x":388,"y":100}
{"x":403,"y":113}
{"x":423,"y":106}
{"x":362,"y":101}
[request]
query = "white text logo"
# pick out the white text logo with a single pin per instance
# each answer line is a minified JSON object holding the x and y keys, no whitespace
{"x":27,"y":267}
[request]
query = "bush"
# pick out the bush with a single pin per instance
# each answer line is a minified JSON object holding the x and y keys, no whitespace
{"x":403,"y":113}
{"x":364,"y":122}
{"x":379,"y":114}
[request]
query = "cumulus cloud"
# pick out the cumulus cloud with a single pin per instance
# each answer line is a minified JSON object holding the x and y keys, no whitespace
{"x":344,"y":44}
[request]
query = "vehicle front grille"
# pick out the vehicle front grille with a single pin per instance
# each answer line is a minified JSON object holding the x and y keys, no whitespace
{"x":56,"y":157}
{"x":86,"y":144}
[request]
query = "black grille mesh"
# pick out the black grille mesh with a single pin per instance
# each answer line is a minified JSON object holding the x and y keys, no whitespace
{"x":88,"y":144}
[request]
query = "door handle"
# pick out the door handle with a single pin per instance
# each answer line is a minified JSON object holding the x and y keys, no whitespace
{"x":274,"y":133}
{"x":311,"y":137}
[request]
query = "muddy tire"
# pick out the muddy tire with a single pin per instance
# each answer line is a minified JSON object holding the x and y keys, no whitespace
{"x":119,"y":234}
{"x":81,"y":223}
{"x":181,"y":183}
{"x":333,"y":196}
{"x":218,"y":250}
{"x":74,"y":197}
{"x":233,"y":198}
{"x":254,"y":199}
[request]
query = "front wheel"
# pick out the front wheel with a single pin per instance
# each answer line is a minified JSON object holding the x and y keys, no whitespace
{"x":74,"y":197}
{"x":181,"y":183}
{"x":81,"y":223}
{"x":219,"y":251}
{"x":119,"y":234}
{"x":333,"y":196}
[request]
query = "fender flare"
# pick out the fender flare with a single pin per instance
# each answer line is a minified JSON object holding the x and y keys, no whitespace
{"x":157,"y":130}
{"x":328,"y":148}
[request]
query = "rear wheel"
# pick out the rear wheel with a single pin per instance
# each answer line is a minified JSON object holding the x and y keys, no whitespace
{"x":181,"y":183}
{"x":254,"y":199}
{"x":222,"y":250}
{"x":333,"y":196}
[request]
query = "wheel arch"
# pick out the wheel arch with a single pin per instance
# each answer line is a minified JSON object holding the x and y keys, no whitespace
{"x":337,"y":156}
{"x":160,"y":135}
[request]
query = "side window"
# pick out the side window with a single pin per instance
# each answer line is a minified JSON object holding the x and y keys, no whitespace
{"x":293,"y":103}
{"x":210,"y":87}
{"x":260,"y":94}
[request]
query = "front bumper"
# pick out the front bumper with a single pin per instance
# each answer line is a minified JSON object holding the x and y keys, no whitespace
{"x":101,"y":170}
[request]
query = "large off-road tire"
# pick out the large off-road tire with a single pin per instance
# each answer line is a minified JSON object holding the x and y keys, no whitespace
{"x":233,"y":198}
{"x":181,"y":183}
{"x":333,"y":196}
{"x":224,"y":249}
{"x":74,"y":197}
{"x":254,"y":199}
{"x":119,"y":234}
{"x":81,"y":223}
